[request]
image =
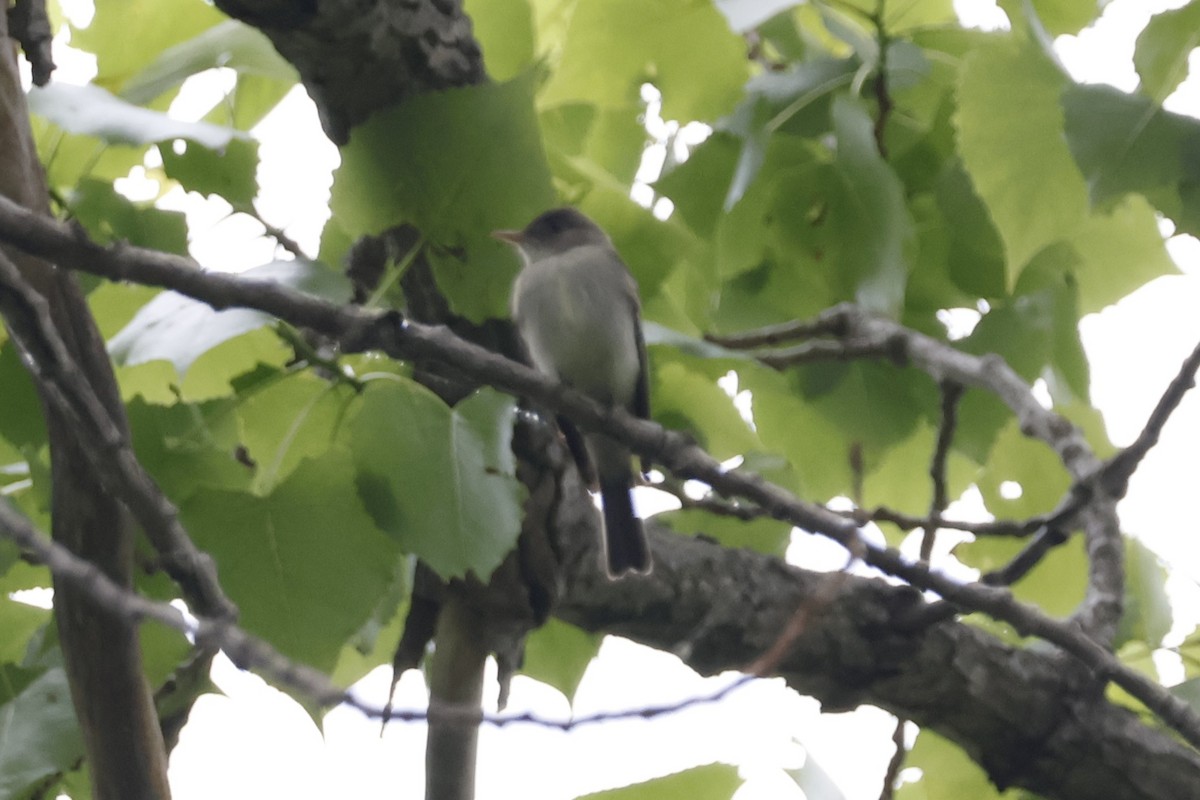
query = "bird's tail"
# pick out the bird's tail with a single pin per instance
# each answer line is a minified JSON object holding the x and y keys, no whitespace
{"x":624,"y":539}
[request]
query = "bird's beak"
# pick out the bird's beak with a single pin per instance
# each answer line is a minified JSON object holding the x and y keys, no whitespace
{"x":511,"y":237}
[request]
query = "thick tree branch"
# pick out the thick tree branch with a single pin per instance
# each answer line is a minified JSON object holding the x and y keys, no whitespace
{"x":126,"y":757}
{"x":357,"y":329}
{"x":356,"y":58}
{"x":1017,"y":712}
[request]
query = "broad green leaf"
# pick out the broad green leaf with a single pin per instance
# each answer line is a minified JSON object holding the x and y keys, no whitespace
{"x":1120,"y":251}
{"x":109,"y":216}
{"x":14,"y":679}
{"x":874,"y":404}
{"x":1031,"y":332}
{"x":976,"y":252}
{"x":188,"y":448}
{"x":762,"y":535}
{"x":686,"y":398}
{"x":684,"y":47}
{"x":113,"y":304}
{"x":251,"y":99}
{"x":1147,"y":616}
{"x":374,"y":643}
{"x":1057,"y":584}
{"x":1126,"y":143}
{"x":905,"y":16}
{"x":1163,"y":48}
{"x":18,"y":623}
{"x":230,"y":44}
{"x":868,"y":214}
{"x":1067,"y":16}
{"x":305,"y":565}
{"x":229,"y":173}
{"x":95,"y":112}
{"x":456,"y":164}
{"x":557,"y":653}
{"x":1010,"y":130}
{"x":440,"y":480}
{"x":180,"y":329}
{"x":217,"y":372}
{"x":289,"y":420}
{"x":38,"y":734}
{"x":895,"y":480}
{"x":69,"y":157}
{"x":710,"y":782}
{"x":127,"y":35}
{"x":21,"y":420}
{"x":504,"y":29}
{"x":746,"y":15}
{"x":699,"y":185}
{"x":1030,"y":464}
{"x":947,"y":772}
{"x":817,"y":449}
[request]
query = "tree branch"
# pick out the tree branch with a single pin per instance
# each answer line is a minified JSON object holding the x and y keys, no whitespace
{"x":357,"y":329}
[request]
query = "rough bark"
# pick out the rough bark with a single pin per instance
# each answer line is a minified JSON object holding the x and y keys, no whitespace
{"x":356,"y":57}
{"x":1028,"y":715}
{"x":124,"y":746}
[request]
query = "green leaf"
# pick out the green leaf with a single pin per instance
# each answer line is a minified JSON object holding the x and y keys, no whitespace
{"x":1030,"y":464}
{"x":38,"y":734}
{"x":18,"y":624}
{"x":1057,"y":584}
{"x":126,"y":35}
{"x":95,"y":112}
{"x":447,"y":162}
{"x":946,"y":772}
{"x":1067,"y":16}
{"x":1148,"y":616}
{"x":698,"y":186}
{"x":745,"y":15}
{"x":710,"y":782}
{"x":899,"y":17}
{"x":230,"y":44}
{"x":305,"y":565}
{"x":816,"y":448}
{"x":976,"y":252}
{"x":180,"y":329}
{"x":687,"y":398}
{"x":1163,"y":47}
{"x":230,"y":173}
{"x":289,"y":420}
{"x":187,"y":447}
{"x":504,"y":30}
{"x":1121,"y":251}
{"x":21,"y":420}
{"x":109,"y":216}
{"x":762,"y":535}
{"x":1010,"y":129}
{"x":557,"y":653}
{"x":683,"y":47}
{"x":1126,"y":143}
{"x":868,"y":214}
{"x":440,"y":480}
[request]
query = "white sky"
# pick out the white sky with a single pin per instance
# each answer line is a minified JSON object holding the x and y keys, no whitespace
{"x":254,"y":742}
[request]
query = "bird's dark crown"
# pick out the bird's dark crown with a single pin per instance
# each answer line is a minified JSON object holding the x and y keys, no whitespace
{"x":563,"y":225}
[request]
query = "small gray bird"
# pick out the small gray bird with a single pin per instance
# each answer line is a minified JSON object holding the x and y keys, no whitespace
{"x":576,"y":308}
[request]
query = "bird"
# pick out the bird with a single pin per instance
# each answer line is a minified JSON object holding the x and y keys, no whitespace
{"x":576,"y":308}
